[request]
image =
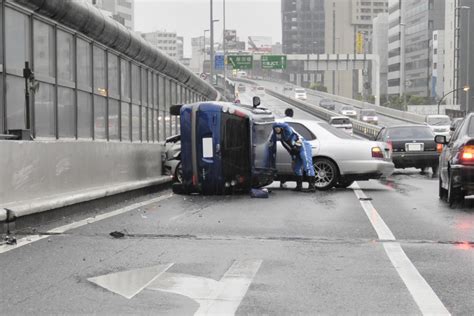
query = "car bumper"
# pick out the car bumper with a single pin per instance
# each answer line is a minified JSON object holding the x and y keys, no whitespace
{"x":366,"y":170}
{"x":417,"y":160}
{"x":463,"y":177}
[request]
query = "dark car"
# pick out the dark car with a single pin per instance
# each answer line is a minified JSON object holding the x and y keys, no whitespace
{"x":327,"y":104}
{"x":287,"y":87}
{"x":412,"y":146}
{"x":456,"y":175}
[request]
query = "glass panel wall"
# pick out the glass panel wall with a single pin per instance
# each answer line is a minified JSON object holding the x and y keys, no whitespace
{"x":86,"y":91}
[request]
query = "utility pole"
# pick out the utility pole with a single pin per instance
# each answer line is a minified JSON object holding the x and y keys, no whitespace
{"x":224,"y":47}
{"x":212,"y":44}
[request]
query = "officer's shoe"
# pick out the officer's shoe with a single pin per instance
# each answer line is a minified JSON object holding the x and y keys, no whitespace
{"x":299,"y":184}
{"x":311,"y":185}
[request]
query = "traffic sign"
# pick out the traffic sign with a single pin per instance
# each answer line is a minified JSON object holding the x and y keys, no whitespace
{"x":219,"y":62}
{"x":273,"y":61}
{"x":240,"y":61}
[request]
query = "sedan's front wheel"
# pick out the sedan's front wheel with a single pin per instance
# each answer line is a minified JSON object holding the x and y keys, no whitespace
{"x":327,"y":173}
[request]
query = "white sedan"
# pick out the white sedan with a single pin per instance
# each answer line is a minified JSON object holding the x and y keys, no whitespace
{"x":339,"y":159}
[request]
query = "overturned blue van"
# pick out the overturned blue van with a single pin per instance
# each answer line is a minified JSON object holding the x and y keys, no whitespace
{"x":225,"y":148}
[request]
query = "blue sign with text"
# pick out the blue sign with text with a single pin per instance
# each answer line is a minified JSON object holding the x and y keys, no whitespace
{"x":219,"y":62}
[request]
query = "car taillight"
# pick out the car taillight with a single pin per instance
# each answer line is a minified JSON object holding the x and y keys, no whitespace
{"x":377,"y":152}
{"x":467,"y":154}
{"x":439,"y":148}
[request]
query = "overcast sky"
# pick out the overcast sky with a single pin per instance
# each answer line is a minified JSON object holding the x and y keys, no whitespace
{"x":189,"y":18}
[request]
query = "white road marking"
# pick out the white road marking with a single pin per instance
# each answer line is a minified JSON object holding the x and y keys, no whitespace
{"x":62,"y":229}
{"x":214,"y":297}
{"x":234,"y":286}
{"x":426,"y":299}
{"x":130,"y":283}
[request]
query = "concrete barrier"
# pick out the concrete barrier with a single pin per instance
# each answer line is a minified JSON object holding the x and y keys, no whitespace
{"x":42,"y":175}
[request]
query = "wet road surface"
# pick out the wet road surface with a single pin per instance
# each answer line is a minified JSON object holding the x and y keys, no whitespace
{"x":294,"y":253}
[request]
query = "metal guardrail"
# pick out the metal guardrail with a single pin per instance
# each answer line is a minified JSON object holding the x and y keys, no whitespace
{"x":360,"y":128}
{"x":396,"y":114}
{"x":385,"y":111}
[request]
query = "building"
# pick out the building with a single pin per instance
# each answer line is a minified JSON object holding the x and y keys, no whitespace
{"x":437,"y":65}
{"x":277,"y":48}
{"x":260,"y":44}
{"x":458,"y":63}
{"x":346,"y":24}
{"x":303,"y":26}
{"x":380,"y":47}
{"x":395,"y":71}
{"x":179,"y":48}
{"x":164,"y":41}
{"x":199,"y":54}
{"x":122,"y":11}
{"x":411,"y":33}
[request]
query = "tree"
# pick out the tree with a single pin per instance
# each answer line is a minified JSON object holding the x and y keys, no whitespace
{"x":318,"y":87}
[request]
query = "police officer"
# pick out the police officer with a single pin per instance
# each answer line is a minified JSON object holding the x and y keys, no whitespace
{"x":300,"y":152}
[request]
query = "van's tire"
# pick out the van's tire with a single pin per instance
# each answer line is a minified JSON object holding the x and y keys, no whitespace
{"x":179,"y":188}
{"x":327,"y":173}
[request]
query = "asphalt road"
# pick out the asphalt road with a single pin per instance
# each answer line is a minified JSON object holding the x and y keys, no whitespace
{"x":390,"y":248}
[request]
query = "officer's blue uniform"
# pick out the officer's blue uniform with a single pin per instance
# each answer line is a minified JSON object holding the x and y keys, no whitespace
{"x":298,"y":148}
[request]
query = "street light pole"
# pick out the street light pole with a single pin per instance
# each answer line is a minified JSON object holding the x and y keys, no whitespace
{"x":402,"y":62}
{"x":468,"y":84}
{"x":212,"y":44}
{"x":465,"y":88}
{"x":223,"y":45}
{"x":204,"y":53}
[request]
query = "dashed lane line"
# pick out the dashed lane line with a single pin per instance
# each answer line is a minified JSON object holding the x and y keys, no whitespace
{"x":62,"y":229}
{"x":426,"y":299}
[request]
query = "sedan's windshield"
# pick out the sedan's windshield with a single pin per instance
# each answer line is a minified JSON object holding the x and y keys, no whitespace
{"x":300,"y":91}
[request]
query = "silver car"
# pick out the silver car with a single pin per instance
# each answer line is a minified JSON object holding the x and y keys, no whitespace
{"x":339,"y":159}
{"x":171,"y":157}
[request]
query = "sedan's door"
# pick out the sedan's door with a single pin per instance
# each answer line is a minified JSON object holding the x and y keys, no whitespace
{"x":283,"y":159}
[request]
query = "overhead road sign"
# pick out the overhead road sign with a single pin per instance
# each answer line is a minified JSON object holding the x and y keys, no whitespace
{"x":240,"y":61}
{"x":273,"y":61}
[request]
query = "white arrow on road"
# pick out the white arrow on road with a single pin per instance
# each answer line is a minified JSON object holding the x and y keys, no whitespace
{"x":214,"y":297}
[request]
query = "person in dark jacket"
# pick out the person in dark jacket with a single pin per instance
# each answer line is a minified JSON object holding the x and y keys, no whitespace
{"x":300,"y":152}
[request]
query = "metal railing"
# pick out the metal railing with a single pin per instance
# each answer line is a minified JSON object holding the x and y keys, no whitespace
{"x":360,"y":128}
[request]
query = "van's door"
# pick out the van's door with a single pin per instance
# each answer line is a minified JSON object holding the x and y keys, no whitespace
{"x":207,"y":162}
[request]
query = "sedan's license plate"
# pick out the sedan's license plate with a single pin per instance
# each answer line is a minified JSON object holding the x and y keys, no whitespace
{"x":415,"y":147}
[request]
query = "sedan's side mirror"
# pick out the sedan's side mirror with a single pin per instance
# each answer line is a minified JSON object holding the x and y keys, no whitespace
{"x":440,"y":139}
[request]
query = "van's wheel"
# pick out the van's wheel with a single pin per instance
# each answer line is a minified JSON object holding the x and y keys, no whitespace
{"x":342,"y":184}
{"x":326,"y":172}
{"x":179,"y":188}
